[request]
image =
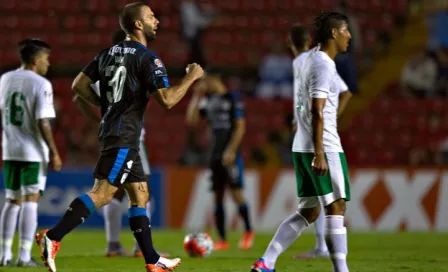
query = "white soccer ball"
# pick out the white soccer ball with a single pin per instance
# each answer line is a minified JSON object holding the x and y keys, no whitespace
{"x":198,"y":244}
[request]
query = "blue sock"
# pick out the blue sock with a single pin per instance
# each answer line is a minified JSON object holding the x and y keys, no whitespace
{"x":141,"y":228}
{"x":78,"y":211}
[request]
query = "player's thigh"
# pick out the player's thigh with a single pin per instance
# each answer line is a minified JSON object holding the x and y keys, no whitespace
{"x":337,"y":185}
{"x":235,"y":174}
{"x":11,"y":179}
{"x":143,"y":153}
{"x":307,"y":193}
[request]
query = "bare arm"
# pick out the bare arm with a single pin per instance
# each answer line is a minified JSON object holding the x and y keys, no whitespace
{"x":238,"y":134}
{"x":344,"y":97}
{"x":318,"y":124}
{"x":192,"y":117}
{"x":47,"y":134}
{"x":168,"y":97}
{"x":81,"y":87}
{"x":229,"y":155}
{"x":86,"y":109}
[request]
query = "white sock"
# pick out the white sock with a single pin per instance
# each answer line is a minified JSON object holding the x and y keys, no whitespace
{"x":112,"y":221}
{"x":8,"y":224}
{"x":286,"y":234}
{"x":148,"y":212}
{"x":336,"y":237}
{"x":319,"y":225}
{"x":27,"y":229}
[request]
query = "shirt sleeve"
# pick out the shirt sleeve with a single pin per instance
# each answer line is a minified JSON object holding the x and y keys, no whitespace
{"x":44,"y":103}
{"x":92,"y":69}
{"x":238,"y":106}
{"x":320,"y":80}
{"x":154,"y":74}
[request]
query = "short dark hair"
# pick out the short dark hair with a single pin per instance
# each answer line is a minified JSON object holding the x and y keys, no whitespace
{"x":325,"y":22}
{"x":299,"y":35}
{"x":128,"y":15}
{"x":30,"y":48}
{"x":118,"y":36}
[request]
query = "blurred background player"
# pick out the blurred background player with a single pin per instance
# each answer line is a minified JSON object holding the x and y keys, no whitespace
{"x":224,"y":111}
{"x":129,"y":74}
{"x":112,"y":218}
{"x":299,"y":40}
{"x":319,"y":161}
{"x":26,"y":102}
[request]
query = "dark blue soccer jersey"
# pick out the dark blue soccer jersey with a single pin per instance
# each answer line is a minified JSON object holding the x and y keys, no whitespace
{"x":221,"y":112}
{"x":128,"y":74}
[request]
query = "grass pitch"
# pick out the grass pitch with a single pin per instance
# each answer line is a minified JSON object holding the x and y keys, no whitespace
{"x":83,"y":250}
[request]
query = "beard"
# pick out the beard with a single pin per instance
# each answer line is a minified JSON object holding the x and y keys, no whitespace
{"x":149,"y":33}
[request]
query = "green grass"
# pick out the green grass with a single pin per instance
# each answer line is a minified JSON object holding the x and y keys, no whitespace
{"x":84,"y":250}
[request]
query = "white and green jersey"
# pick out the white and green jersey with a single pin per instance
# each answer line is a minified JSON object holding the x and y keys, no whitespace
{"x":315,"y":76}
{"x":25,"y":97}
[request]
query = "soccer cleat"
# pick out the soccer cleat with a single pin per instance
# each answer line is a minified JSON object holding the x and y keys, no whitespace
{"x":163,"y":265}
{"x":4,"y":262}
{"x":31,"y":263}
{"x":260,"y":266}
{"x":247,"y":241}
{"x":221,"y":245}
{"x":313,"y":254}
{"x":48,"y":250}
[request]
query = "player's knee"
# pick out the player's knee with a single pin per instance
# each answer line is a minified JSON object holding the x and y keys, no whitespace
{"x":310,"y":214}
{"x":14,"y":201}
{"x":336,"y":208}
{"x":32,"y":197}
{"x":140,"y":200}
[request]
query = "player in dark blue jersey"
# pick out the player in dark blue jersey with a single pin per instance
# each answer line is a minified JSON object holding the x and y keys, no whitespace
{"x":129,"y":74}
{"x":224,"y":111}
{"x":112,"y":218}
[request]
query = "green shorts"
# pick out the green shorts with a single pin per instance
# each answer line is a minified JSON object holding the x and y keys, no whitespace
{"x":24,"y":178}
{"x":314,"y":190}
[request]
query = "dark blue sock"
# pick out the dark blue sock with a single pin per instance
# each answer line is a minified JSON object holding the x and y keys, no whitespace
{"x":140,"y":226}
{"x":78,"y":211}
{"x":220,"y":221}
{"x":244,"y":213}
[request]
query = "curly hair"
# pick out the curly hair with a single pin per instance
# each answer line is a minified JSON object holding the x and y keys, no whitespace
{"x":325,"y":22}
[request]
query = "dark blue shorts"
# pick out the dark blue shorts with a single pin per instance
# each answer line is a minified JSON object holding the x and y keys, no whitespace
{"x":223,"y":177}
{"x":119,"y":165}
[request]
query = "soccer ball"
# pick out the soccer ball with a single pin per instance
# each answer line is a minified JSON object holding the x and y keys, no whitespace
{"x":198,"y":244}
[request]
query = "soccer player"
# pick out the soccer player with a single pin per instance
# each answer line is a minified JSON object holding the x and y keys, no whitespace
{"x":299,"y":42}
{"x":225,"y":114}
{"x":128,"y":74}
{"x":319,"y":161}
{"x":112,"y":218}
{"x":26,"y":102}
